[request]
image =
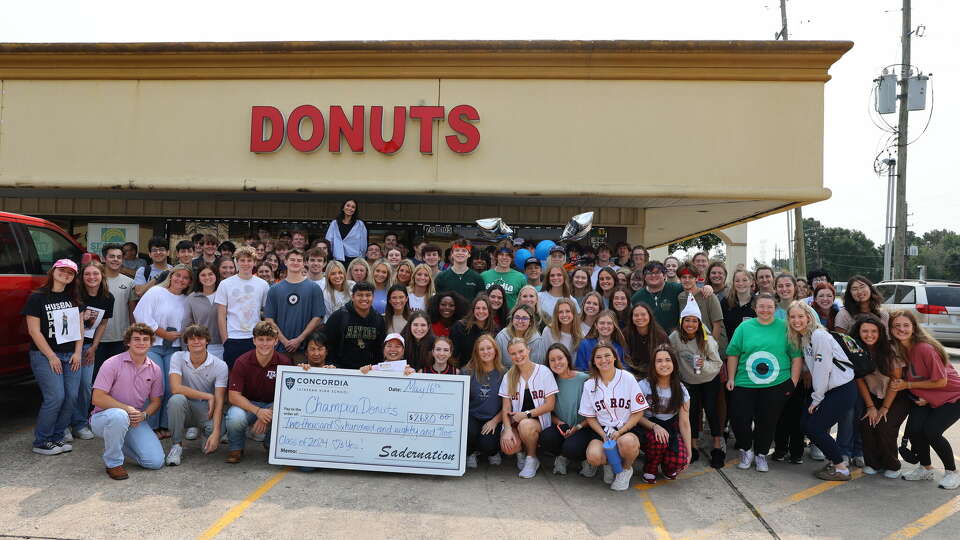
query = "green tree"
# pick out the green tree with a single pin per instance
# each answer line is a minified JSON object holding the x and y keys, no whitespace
{"x":939,"y":251}
{"x":700,"y":243}
{"x":841,"y":252}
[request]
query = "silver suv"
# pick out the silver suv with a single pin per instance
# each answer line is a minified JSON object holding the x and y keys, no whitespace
{"x":936,"y":304}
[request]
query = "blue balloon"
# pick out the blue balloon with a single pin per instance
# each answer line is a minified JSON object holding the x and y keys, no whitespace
{"x":521,"y":256}
{"x":543,"y":249}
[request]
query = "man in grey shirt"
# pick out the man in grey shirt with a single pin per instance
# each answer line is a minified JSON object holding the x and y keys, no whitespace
{"x":121,"y":287}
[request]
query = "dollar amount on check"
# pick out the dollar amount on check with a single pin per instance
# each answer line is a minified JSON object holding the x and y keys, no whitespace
{"x":338,"y":418}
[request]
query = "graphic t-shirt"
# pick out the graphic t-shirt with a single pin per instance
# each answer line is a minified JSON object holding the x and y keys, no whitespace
{"x":96,"y":311}
{"x":665,"y":304}
{"x":293,"y":305}
{"x":59,"y":320}
{"x":485,"y":402}
{"x":511,"y":281}
{"x":663,"y":400}
{"x":243,"y":298}
{"x":764,"y":351}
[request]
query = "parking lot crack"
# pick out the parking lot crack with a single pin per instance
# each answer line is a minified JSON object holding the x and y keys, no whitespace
{"x":746,"y":502}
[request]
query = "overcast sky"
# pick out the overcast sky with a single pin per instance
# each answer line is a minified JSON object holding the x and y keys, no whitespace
{"x":850,"y":143}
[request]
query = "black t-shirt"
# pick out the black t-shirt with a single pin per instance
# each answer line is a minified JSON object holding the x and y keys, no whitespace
{"x":59,"y":319}
{"x":527,"y":400}
{"x":93,"y":307}
{"x":345,"y":228}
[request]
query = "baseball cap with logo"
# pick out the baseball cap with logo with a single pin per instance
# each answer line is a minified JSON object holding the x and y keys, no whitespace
{"x":531,"y":260}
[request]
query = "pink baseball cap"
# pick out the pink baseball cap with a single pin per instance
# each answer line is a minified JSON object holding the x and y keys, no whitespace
{"x":393,"y":336}
{"x":66,"y":263}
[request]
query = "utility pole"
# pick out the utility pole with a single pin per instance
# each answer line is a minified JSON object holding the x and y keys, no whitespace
{"x":900,"y":238}
{"x":799,"y":255}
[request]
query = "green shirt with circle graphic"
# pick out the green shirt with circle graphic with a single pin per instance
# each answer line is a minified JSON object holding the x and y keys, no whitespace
{"x":765,"y":353}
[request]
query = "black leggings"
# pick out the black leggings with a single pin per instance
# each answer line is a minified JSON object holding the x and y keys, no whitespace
{"x":926,"y":426}
{"x":573,"y":447}
{"x":704,"y":396}
{"x":485,"y":445}
{"x":790,"y":435}
{"x":754,"y":413}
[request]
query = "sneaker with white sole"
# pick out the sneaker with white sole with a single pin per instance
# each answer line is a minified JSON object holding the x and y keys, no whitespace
{"x":560,"y":465}
{"x":521,"y":460}
{"x":950,"y":480}
{"x":869,"y":470}
{"x":891,"y":474}
{"x":191,"y":434}
{"x":622,"y":480}
{"x":816,"y":454}
{"x":472,"y":461}
{"x":530,"y":466}
{"x":920,"y":473}
{"x":761,"y":461}
{"x":85,"y":433}
{"x":746,"y":459}
{"x":587,"y":470}
{"x":495,"y":459}
{"x":64,"y":445}
{"x":47,"y":449}
{"x":607,"y":474}
{"x":173,"y":457}
{"x":858,"y":461}
{"x":67,"y":435}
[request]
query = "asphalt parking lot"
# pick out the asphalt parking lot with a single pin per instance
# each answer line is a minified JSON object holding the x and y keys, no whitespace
{"x":69,"y":496}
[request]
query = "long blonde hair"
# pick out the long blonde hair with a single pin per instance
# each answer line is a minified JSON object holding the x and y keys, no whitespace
{"x":331,"y":266}
{"x":531,"y":330}
{"x":475,"y":366}
{"x":373,"y":268}
{"x":920,"y":335}
{"x":566,"y":290}
{"x":431,"y":289}
{"x":575,"y":332}
{"x":799,"y":339}
{"x":513,"y":374}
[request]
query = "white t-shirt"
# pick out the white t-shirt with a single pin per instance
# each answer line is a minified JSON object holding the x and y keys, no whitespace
{"x":160,"y":308}
{"x":612,"y":405}
{"x":547,"y":302}
{"x":596,"y":272}
{"x":244,"y":299}
{"x":565,"y":337}
{"x":417,"y":302}
{"x":542,"y":384}
{"x":663,"y":395}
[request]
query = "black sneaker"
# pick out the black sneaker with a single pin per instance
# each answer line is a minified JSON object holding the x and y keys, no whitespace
{"x":717,"y":458}
{"x":778,"y":455}
{"x":796,"y":460}
{"x":64,"y":446}
{"x":48,"y":449}
{"x":696,"y":455}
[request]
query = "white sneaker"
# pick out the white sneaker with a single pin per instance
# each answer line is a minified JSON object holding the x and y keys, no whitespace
{"x":869,"y":470}
{"x":64,"y":445}
{"x":587,"y":470}
{"x":67,"y":435}
{"x":816,"y":454}
{"x":762,"y":463}
{"x":191,"y":434}
{"x":521,"y":460}
{"x":920,"y":473}
{"x":950,"y":480}
{"x":173,"y":457}
{"x":891,"y":474}
{"x":622,"y":481}
{"x":560,"y":465}
{"x":530,"y":466}
{"x":746,"y":459}
{"x":607,"y":474}
{"x":85,"y":433}
{"x":495,"y":459}
{"x":472,"y":461}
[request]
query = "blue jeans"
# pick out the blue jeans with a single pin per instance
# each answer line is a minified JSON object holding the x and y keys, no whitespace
{"x":81,"y":411}
{"x":59,"y":396}
{"x":848,"y":431}
{"x":237,"y":422}
{"x":161,"y":356}
{"x":120,"y":439}
{"x":835,"y":405}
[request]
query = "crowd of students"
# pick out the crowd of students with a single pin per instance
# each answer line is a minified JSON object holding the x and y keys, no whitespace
{"x":599,"y":359}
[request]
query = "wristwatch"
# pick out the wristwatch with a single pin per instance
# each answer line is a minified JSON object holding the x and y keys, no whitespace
{"x":529,"y":415}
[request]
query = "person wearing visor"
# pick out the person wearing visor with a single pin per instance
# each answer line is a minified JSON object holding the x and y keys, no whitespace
{"x":393,"y":348}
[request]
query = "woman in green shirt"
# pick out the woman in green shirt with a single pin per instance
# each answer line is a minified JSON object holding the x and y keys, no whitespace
{"x":763,"y":368}
{"x":565,"y":438}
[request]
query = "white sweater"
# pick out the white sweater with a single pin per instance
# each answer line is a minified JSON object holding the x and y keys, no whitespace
{"x":159,"y":308}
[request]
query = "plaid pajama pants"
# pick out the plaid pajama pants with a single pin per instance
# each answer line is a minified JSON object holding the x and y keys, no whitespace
{"x":658,"y":454}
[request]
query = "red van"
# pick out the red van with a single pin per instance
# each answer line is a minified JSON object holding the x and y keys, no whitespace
{"x":28,"y":248}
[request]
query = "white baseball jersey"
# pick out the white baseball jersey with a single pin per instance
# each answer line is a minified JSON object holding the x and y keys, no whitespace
{"x":542,"y":384}
{"x":612,"y":405}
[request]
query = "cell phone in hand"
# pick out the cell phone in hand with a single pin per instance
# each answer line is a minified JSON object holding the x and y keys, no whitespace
{"x":563,"y":428}
{"x":168,"y":342}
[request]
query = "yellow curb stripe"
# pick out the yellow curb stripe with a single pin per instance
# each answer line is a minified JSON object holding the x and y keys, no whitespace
{"x":938,"y":514}
{"x":659,"y":528}
{"x":231,"y":515}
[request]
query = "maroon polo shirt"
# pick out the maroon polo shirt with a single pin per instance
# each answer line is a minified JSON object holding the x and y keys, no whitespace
{"x":254,"y":381}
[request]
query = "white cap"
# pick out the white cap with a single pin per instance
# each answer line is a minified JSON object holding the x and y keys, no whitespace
{"x":691,"y":309}
{"x":394,"y":336}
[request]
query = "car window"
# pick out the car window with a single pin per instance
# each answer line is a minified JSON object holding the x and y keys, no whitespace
{"x":943,"y":296}
{"x":906,"y":294}
{"x":52,"y":246}
{"x":886,"y":291}
{"x":11,"y":262}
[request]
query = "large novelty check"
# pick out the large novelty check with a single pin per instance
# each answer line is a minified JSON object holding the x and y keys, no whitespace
{"x":338,"y":418}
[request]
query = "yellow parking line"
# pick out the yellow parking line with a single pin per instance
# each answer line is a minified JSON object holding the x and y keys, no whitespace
{"x":938,"y":514}
{"x":654,"y":517}
{"x":231,"y":515}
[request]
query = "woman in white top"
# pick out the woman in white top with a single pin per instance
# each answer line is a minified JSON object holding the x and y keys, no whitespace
{"x":528,"y":391}
{"x":336,"y":288}
{"x":162,"y":308}
{"x":398,"y":309}
{"x":556,"y":285}
{"x":421,"y":287}
{"x":591,"y":306}
{"x":564,"y":327}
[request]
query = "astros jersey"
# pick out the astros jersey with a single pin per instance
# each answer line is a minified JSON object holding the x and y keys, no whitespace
{"x":612,"y":405}
{"x":542,"y":384}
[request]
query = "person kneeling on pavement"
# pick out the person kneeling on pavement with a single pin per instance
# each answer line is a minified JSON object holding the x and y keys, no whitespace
{"x":124,"y":384}
{"x":198,"y":382}
{"x":251,"y":390}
